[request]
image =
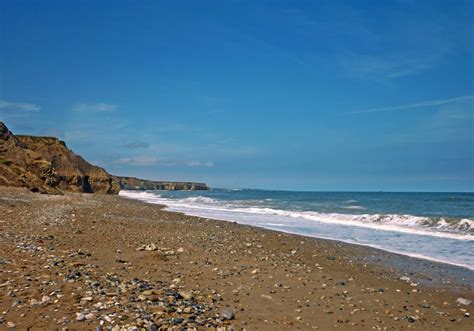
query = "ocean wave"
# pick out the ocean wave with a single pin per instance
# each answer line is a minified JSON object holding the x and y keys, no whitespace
{"x":438,"y":227}
{"x":140,"y":195}
{"x":198,"y":199}
{"x":447,"y":240}
{"x":354,"y":207}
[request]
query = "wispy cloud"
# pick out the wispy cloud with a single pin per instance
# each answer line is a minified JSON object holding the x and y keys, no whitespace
{"x":140,"y":160}
{"x":382,"y":66}
{"x":429,"y":103}
{"x":146,"y":161}
{"x":19,"y":106}
{"x":135,"y":145}
{"x":100,"y":107}
{"x":451,"y":123}
{"x":200,"y":164}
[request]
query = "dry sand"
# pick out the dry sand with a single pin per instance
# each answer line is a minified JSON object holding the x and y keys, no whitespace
{"x":82,"y":261}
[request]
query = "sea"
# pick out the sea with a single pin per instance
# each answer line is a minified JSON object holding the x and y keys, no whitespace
{"x":432,"y":226}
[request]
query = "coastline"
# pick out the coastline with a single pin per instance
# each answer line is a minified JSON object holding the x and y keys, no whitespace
{"x":402,"y":263}
{"x":267,"y":279}
{"x":245,"y":217}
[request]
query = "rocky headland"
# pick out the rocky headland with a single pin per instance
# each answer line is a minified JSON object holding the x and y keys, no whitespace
{"x":132,"y":183}
{"x":47,"y":165}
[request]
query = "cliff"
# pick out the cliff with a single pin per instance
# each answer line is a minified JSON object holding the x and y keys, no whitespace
{"x":45,"y":164}
{"x":132,"y":183}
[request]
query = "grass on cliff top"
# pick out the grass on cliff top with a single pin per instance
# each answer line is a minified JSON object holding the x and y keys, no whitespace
{"x":42,"y":138}
{"x":5,"y":162}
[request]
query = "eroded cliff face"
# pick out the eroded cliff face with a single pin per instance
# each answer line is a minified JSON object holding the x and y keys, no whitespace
{"x":46,"y":165}
{"x":132,"y":183}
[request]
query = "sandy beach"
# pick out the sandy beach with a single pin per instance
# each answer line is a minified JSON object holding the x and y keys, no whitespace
{"x":82,"y":261}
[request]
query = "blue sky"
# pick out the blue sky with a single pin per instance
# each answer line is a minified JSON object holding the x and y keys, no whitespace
{"x":303,"y":95}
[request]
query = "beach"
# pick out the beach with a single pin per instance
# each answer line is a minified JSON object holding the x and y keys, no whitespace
{"x":82,"y":261}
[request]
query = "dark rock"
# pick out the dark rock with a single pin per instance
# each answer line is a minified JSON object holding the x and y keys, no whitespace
{"x":177,"y":320}
{"x":74,"y":275}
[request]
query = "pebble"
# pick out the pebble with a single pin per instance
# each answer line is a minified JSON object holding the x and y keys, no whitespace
{"x":187,"y":295}
{"x":227,"y":313}
{"x":463,"y":301}
{"x":80,"y":317}
{"x":11,"y":325}
{"x":90,"y":316}
{"x":34,"y":303}
{"x":151,"y":247}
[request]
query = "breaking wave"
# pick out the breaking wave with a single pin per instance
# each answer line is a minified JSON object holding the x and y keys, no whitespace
{"x":460,"y":229}
{"x":437,"y":236}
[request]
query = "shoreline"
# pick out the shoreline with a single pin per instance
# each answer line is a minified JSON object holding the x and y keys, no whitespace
{"x":411,"y":255}
{"x":241,"y":276}
{"x":406,"y":255}
{"x":461,"y":274}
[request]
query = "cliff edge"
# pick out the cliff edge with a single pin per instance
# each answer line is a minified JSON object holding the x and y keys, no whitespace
{"x":46,"y":165}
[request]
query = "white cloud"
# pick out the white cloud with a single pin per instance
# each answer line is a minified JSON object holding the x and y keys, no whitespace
{"x":208,"y":164}
{"x":18,"y":105}
{"x":144,"y":161}
{"x":387,"y":66}
{"x":139,"y":160}
{"x":450,"y":123}
{"x":100,"y":107}
{"x":135,"y":145}
{"x":429,"y":103}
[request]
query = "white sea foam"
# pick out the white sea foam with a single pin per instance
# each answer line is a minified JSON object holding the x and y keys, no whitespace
{"x":354,"y":207}
{"x":197,"y":199}
{"x":276,"y":224}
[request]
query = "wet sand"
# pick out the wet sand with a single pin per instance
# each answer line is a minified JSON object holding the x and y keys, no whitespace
{"x":82,"y":261}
